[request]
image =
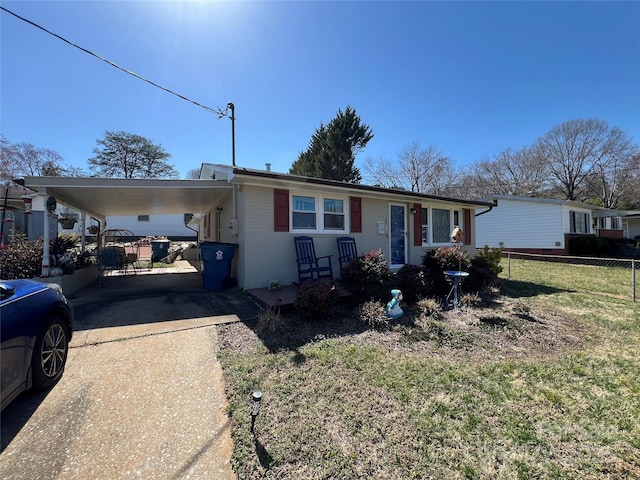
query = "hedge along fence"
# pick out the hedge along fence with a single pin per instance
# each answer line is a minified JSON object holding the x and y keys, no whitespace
{"x":599,"y":276}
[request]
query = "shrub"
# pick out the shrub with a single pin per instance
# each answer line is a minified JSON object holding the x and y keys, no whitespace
{"x":452,"y":258}
{"x":413,"y":282}
{"x":373,"y":315}
{"x":471,"y":300}
{"x":63,"y":243}
{"x":269,"y":321}
{"x":429,"y":308}
{"x":437,"y":261}
{"x":368,"y":276}
{"x":484,"y":270}
{"x":315,"y":299}
{"x":590,"y":245}
{"x":21,"y":258}
{"x":489,"y":258}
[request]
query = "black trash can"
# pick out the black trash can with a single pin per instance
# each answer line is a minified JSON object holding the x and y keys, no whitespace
{"x":216,"y":259}
{"x":159,"y":249}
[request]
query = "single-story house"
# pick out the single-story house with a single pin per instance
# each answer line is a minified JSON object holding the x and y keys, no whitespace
{"x":264,"y":210}
{"x":542,"y":225}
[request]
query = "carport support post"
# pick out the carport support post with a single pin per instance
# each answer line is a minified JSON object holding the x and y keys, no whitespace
{"x":45,"y":247}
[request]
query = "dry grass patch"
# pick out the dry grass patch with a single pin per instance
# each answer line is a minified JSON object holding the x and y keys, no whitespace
{"x":516,"y":387}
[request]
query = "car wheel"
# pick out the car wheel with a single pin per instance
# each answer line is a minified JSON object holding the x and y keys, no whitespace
{"x":50,"y":354}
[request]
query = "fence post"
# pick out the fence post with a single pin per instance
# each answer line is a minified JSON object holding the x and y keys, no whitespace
{"x":633,"y":278}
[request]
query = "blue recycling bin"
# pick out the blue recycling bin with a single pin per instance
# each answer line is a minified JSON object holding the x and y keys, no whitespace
{"x":216,"y":260}
{"x":159,"y":249}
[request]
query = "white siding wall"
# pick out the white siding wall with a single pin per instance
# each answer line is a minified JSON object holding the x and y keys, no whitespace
{"x":168,"y":225}
{"x":632,"y":227}
{"x":521,"y":224}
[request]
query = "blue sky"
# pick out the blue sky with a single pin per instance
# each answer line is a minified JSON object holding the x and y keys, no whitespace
{"x":470,"y":78}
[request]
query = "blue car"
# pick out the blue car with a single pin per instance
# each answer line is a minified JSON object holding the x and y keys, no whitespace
{"x":36,"y":328}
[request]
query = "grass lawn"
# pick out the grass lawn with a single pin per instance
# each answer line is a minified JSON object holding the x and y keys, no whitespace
{"x":537,"y":382}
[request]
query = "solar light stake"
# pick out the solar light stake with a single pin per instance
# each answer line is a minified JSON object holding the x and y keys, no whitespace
{"x":256,"y":397}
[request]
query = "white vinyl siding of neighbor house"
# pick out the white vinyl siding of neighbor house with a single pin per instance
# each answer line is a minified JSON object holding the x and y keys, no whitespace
{"x":521,"y":224}
{"x":168,"y":225}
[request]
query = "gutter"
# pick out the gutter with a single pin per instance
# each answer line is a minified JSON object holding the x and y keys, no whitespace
{"x":495,"y":204}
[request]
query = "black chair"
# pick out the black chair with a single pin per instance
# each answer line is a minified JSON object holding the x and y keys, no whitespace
{"x":347,"y":250}
{"x":309,"y":267}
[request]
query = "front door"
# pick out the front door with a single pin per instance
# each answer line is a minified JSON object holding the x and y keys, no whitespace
{"x":398,"y":235}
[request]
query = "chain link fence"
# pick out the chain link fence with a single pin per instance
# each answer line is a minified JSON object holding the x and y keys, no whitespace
{"x":612,"y":277}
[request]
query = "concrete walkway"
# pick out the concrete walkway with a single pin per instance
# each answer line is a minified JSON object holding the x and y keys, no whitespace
{"x":142,"y":395}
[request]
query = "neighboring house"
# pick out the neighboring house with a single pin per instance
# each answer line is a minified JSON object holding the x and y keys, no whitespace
{"x":542,"y":225}
{"x":265,"y":210}
{"x":631,"y":224}
{"x":169,"y":225}
{"x":28,"y":221}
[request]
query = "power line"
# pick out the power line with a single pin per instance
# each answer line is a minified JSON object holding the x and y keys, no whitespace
{"x":218,"y":111}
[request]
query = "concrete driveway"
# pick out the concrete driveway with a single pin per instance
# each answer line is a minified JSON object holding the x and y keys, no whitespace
{"x":142,"y":395}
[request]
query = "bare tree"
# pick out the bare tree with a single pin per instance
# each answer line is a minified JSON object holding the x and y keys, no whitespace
{"x":512,"y":172}
{"x":24,"y":159}
{"x":418,"y":170}
{"x":193,"y":174}
{"x":615,"y":179}
{"x":382,"y":172}
{"x":576,"y":149}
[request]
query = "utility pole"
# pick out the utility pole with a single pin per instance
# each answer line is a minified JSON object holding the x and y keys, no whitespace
{"x":231,"y":107}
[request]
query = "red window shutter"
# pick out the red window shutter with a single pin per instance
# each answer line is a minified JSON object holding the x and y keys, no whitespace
{"x":467,"y":226}
{"x":417,"y":225}
{"x":280,"y":210}
{"x":355,"y":204}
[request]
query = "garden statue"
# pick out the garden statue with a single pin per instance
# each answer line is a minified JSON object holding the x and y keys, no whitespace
{"x":393,"y":309}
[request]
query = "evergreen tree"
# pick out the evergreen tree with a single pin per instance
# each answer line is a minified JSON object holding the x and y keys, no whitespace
{"x":333,"y":148}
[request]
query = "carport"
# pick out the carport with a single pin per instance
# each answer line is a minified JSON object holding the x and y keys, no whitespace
{"x":102,"y":197}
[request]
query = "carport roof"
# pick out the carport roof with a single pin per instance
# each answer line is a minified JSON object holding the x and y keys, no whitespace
{"x":101,"y":197}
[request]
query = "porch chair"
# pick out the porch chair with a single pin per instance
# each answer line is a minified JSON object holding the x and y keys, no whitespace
{"x":111,"y":264}
{"x":347,"y":250}
{"x":308,"y":264}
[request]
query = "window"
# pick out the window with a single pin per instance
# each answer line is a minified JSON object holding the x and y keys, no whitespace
{"x":615,"y":223}
{"x":143,"y":218}
{"x":333,"y":214}
{"x":441,"y":225}
{"x":425,"y":225}
{"x":602,"y":223}
{"x":579,"y":222}
{"x":304,"y":214}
